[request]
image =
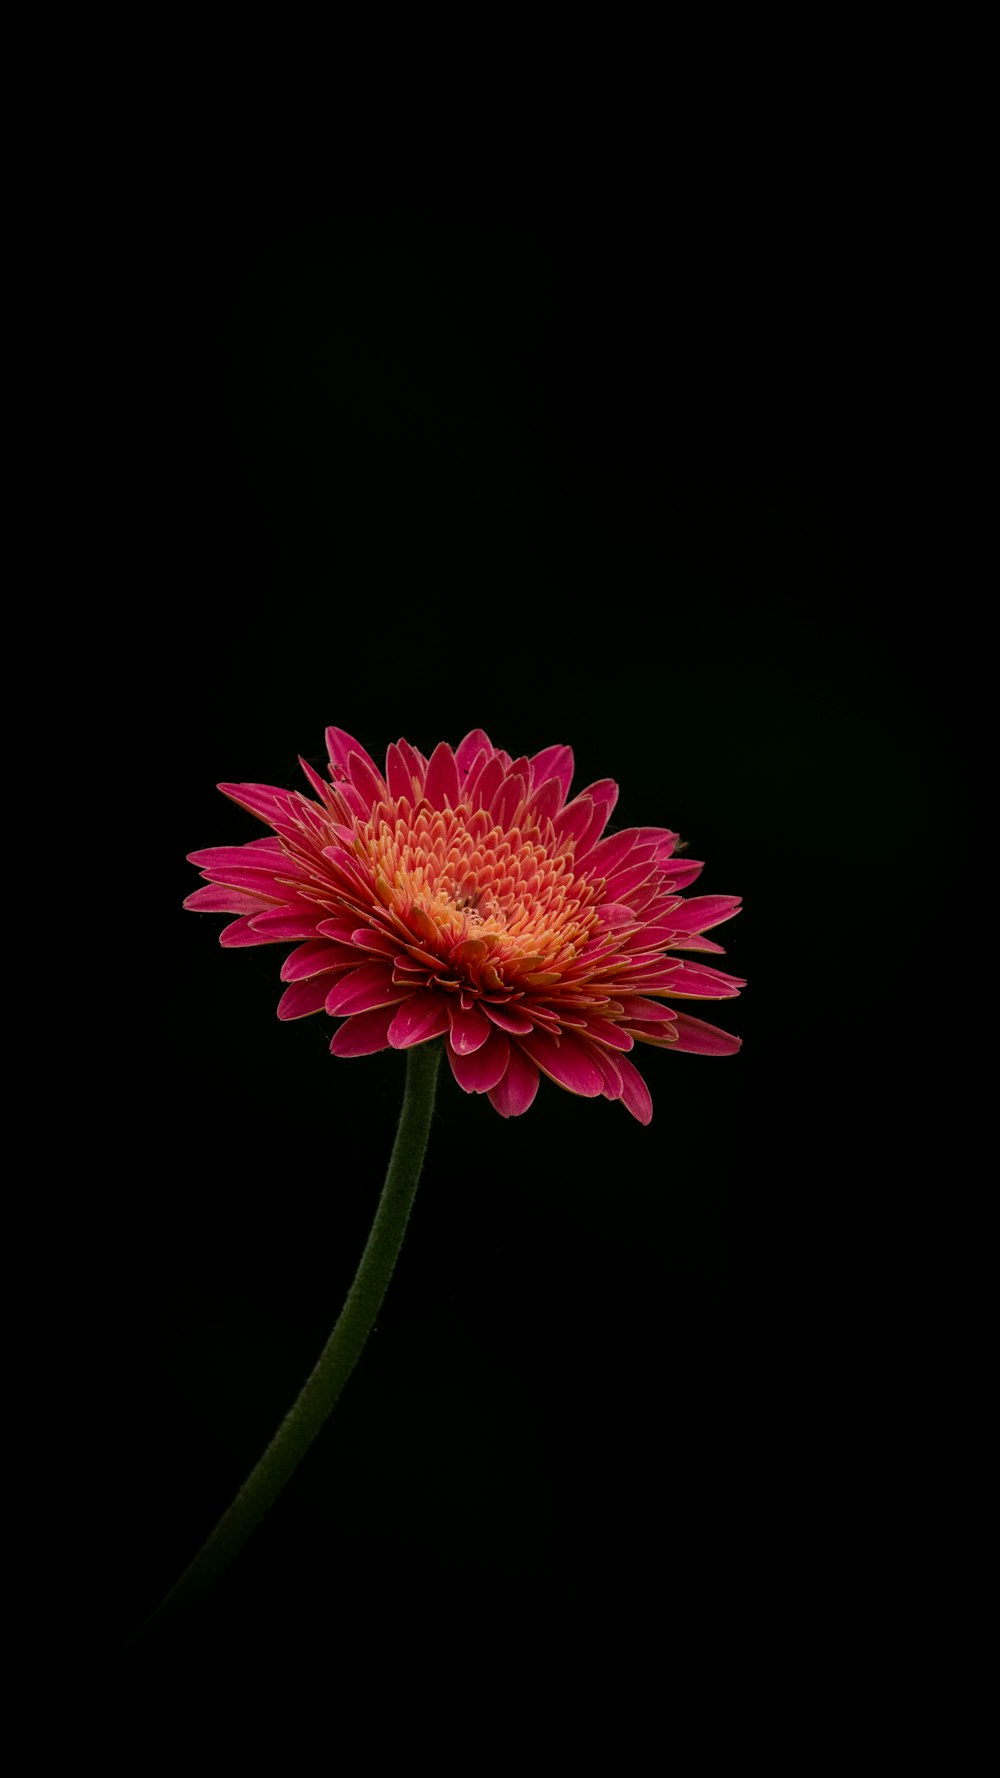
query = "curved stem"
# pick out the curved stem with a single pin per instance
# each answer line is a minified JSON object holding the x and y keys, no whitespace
{"x":338,"y":1357}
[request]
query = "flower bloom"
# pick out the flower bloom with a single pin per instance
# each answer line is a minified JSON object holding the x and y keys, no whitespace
{"x":464,"y":897}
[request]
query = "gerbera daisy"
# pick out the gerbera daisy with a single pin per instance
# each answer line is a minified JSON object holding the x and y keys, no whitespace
{"x":461,"y":897}
{"x":465,"y":897}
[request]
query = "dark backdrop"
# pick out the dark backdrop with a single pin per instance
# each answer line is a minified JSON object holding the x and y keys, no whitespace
{"x":617,"y":476}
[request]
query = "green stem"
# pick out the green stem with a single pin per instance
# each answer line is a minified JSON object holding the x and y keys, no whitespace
{"x":338,"y":1357}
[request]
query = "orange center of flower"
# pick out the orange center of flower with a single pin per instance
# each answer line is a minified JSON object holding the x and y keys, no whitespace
{"x":503,"y":905}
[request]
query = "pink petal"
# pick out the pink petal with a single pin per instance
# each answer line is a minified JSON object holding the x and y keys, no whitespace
{"x":364,"y":1034}
{"x":695,"y":981}
{"x":602,"y":858}
{"x":397,"y":776}
{"x":654,"y":900}
{"x":362,"y":990}
{"x":604,"y":791}
{"x":216,"y":859}
{"x":484,"y":1068}
{"x":545,"y":802}
{"x":658,"y":974}
{"x":421,"y":925}
{"x":471,"y":954}
{"x":287,"y":923}
{"x":422,"y":1016}
{"x":664,"y":838}
{"x":314,"y":778}
{"x":469,"y":746}
{"x":216,"y":898}
{"x":553,"y":762}
{"x":507,"y":1019}
{"x":370,"y":938}
{"x":488,"y":783}
{"x":620,"y":886}
{"x":543,"y":1020}
{"x":473,"y":775}
{"x":564,"y":1062}
{"x":261,"y":882}
{"x":416,"y":766}
{"x":241,"y":933}
{"x":702,"y":1039}
{"x":634,"y":1006}
{"x":616,"y":913}
{"x":441,"y":788}
{"x":635,"y":1092}
{"x":303,"y":998}
{"x":572,"y":822}
{"x":469,"y":1030}
{"x":340,"y":745}
{"x":355,"y":804}
{"x":263,"y":800}
{"x":315,"y":958}
{"x":703,"y":911}
{"x":633,"y":960}
{"x":309,"y":817}
{"x":366,"y":778}
{"x":679,"y":872}
{"x":662,"y":1035}
{"x":341,"y":927}
{"x":593,"y":831}
{"x":414,"y":960}
{"x":610,"y":1071}
{"x":510,"y":795}
{"x":653,"y":937}
{"x":350,"y":869}
{"x":513,"y":1094}
{"x":607,"y":1032}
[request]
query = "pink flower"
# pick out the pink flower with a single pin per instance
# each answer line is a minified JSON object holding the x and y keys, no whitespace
{"x":464,"y":897}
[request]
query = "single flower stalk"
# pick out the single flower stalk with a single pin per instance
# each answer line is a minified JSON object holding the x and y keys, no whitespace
{"x":465,"y":902}
{"x":467,"y":897}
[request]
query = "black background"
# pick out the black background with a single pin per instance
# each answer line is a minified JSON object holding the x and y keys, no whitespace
{"x":621,"y":475}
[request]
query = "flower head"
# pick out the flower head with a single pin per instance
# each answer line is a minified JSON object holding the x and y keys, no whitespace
{"x":464,"y":897}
